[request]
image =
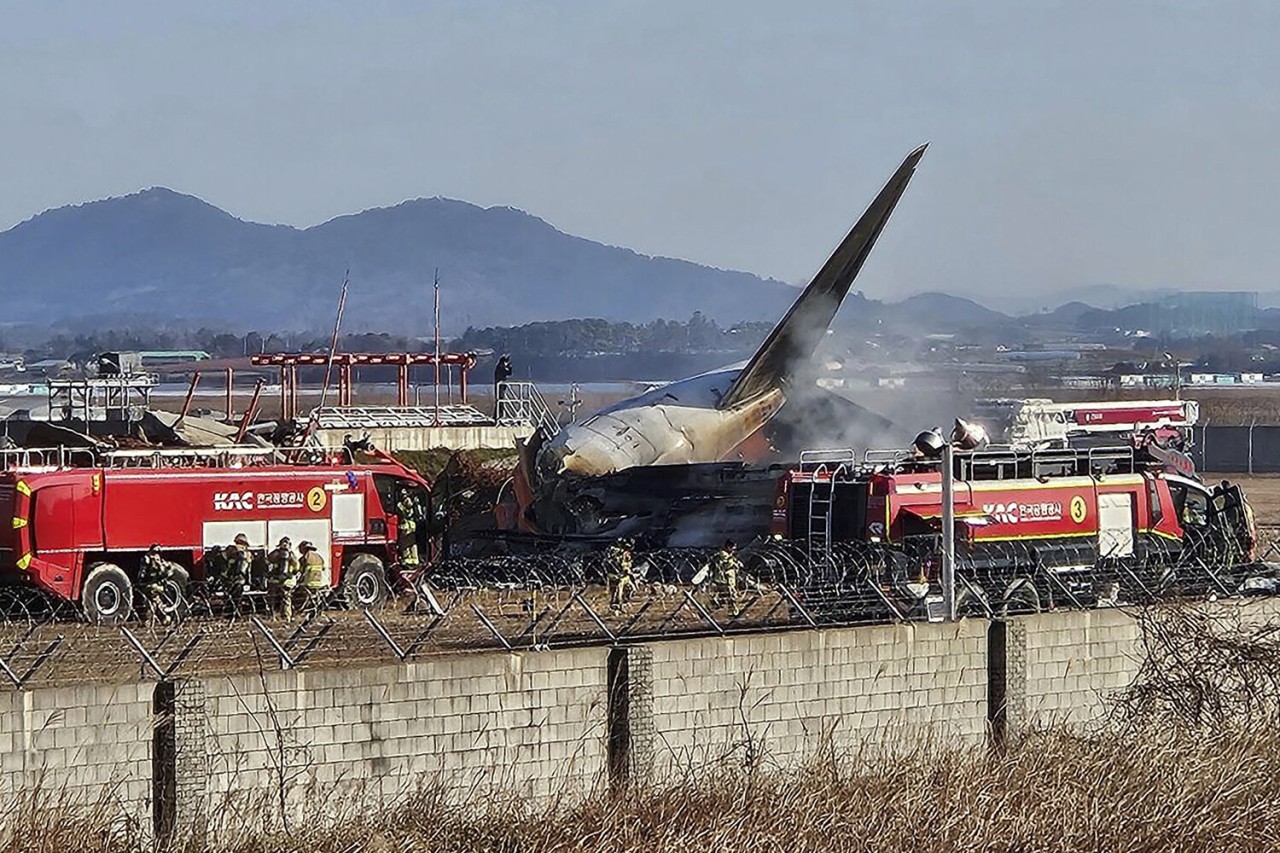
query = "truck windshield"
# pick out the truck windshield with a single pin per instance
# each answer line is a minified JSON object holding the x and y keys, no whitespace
{"x":392,"y":490}
{"x":1190,"y":504}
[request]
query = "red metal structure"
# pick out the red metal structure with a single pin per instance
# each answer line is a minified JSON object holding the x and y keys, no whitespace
{"x":79,"y":533}
{"x":346,"y":361}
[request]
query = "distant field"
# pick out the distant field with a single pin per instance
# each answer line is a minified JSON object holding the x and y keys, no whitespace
{"x":1263,"y":491}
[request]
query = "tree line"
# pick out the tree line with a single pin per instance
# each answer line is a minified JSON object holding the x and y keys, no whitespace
{"x":551,"y":338}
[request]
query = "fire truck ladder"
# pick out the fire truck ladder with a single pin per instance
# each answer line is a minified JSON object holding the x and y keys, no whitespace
{"x":825,"y":466}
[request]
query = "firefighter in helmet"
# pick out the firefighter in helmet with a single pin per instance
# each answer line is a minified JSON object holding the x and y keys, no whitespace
{"x":726,"y":575}
{"x":316,"y":579}
{"x":407,"y":512}
{"x":154,"y":573}
{"x":236,"y":564}
{"x":283,"y":579}
{"x":618,"y":566}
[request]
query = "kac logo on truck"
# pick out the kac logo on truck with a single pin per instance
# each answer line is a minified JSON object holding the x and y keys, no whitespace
{"x":1016,"y":513}
{"x":232,"y":501}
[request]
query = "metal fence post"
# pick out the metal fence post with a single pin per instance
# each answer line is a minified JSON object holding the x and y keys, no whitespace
{"x":1253,"y":423}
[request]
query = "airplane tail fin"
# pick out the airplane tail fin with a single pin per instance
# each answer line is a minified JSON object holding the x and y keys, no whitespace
{"x":796,"y":338}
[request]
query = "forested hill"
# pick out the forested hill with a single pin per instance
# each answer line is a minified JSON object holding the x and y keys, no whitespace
{"x":161,"y":256}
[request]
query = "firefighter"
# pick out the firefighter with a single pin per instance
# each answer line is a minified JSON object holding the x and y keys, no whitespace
{"x":619,"y":572}
{"x":407,"y":528}
{"x":237,"y":563}
{"x":726,"y":571}
{"x":153,"y":574}
{"x":283,"y":565}
{"x":316,"y":580}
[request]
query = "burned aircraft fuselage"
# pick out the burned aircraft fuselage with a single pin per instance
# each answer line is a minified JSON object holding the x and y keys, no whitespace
{"x":673,"y":424}
{"x":705,"y":418}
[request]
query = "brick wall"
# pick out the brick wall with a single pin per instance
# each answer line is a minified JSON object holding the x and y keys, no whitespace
{"x":1062,"y":667}
{"x":781,"y":697}
{"x":561,"y":721}
{"x":532,"y":724}
{"x":85,"y":742}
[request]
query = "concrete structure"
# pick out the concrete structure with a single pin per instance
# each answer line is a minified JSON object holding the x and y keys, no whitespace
{"x":84,"y":743}
{"x":315,"y":744}
{"x":786,"y":696}
{"x":394,"y":439}
{"x":1062,"y":668}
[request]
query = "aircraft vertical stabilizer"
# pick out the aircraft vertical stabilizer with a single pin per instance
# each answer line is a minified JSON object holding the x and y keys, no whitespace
{"x":796,"y":337}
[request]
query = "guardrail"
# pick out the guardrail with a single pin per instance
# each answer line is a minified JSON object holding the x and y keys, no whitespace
{"x":522,"y":404}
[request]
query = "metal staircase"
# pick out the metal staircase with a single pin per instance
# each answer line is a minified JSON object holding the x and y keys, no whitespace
{"x":522,"y":404}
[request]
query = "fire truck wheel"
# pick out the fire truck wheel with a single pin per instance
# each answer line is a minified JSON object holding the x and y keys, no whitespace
{"x":107,"y":595}
{"x":364,"y":582}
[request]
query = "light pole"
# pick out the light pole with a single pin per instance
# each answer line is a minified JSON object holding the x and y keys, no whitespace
{"x":965,"y":436}
{"x":949,"y":530}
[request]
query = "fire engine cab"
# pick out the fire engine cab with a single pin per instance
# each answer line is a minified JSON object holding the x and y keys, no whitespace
{"x":77,"y":528}
{"x":1033,"y":527}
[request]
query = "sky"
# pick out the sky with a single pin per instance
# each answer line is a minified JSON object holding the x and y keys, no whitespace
{"x":1071,"y":143}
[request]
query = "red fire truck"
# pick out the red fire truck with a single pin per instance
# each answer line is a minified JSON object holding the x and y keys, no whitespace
{"x":1044,"y":423}
{"x":1033,"y":528}
{"x":78,"y":531}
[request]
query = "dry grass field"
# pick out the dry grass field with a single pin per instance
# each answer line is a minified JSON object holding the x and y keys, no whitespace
{"x":1262,"y":490}
{"x":1147,"y":790}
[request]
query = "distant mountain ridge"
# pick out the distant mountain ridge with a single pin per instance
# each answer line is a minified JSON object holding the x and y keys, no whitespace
{"x":161,"y":254}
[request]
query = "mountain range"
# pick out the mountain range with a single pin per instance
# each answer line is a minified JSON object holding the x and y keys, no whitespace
{"x":159,"y":255}
{"x":162,"y":258}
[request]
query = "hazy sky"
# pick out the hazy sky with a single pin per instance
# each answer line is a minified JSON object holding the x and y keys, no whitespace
{"x":1072,"y":143}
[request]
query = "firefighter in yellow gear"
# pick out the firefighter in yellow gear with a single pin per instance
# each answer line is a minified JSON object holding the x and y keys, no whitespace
{"x":154,"y":574}
{"x":317,"y":581}
{"x":284,"y":568}
{"x":618,"y":565}
{"x":726,"y":573}
{"x":236,"y":566}
{"x":407,"y":528}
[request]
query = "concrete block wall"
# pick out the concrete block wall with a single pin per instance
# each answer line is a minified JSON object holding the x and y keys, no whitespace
{"x":524,"y":723}
{"x":562,"y":721}
{"x":782,"y":697}
{"x":1062,"y":668}
{"x":82,"y":742}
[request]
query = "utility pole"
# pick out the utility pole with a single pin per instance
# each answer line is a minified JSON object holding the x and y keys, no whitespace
{"x":1177,"y":375}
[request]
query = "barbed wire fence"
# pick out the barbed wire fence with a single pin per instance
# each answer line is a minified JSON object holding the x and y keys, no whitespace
{"x":565,"y":598}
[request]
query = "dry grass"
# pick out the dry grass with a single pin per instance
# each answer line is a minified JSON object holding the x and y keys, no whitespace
{"x":1052,"y":792}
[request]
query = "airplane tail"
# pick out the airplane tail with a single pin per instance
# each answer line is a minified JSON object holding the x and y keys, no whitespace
{"x":796,"y":338}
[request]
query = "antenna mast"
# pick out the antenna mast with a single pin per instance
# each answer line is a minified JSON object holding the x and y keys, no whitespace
{"x":333,"y":348}
{"x":437,"y":358}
